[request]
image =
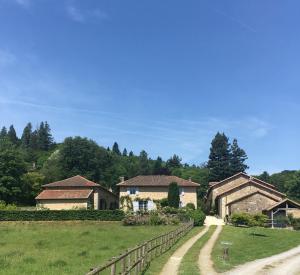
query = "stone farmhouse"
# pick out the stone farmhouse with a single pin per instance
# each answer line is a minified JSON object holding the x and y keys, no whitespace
{"x":76,"y":193}
{"x":144,"y":190}
{"x":243,"y":193}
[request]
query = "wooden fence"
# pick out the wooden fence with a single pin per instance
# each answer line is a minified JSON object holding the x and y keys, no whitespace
{"x":135,"y":260}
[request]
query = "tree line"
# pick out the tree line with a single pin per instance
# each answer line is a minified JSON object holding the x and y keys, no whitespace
{"x":35,"y":159}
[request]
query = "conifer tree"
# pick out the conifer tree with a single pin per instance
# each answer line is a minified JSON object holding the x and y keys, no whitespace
{"x":174,"y":162}
{"x":124,"y":152}
{"x":34,"y":140}
{"x":45,"y":139}
{"x":173,"y":195}
{"x":3,"y":132}
{"x":116,"y":149}
{"x":12,"y":135}
{"x":144,"y":168}
{"x":237,"y":159}
{"x":219,"y":158}
{"x":26,"y":136}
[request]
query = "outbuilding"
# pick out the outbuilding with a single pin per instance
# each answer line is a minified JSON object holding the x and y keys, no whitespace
{"x":76,"y":193}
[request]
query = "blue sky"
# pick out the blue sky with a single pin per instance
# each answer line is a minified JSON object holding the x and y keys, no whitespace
{"x":163,"y":76}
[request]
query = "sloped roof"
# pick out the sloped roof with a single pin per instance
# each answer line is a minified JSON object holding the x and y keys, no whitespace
{"x":49,"y":194}
{"x":250,"y":195}
{"x":157,"y":180}
{"x":76,"y":181}
{"x":212,"y":185}
{"x":287,"y":200}
{"x":251,"y":182}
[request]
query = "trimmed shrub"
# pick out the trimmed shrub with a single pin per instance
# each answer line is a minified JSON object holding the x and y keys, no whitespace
{"x":61,"y":215}
{"x":164,"y":202}
{"x":260,"y":220}
{"x":173,"y":195}
{"x":198,"y":216}
{"x":296,"y":224}
{"x":190,"y":205}
{"x":247,"y":219}
{"x":238,"y":219}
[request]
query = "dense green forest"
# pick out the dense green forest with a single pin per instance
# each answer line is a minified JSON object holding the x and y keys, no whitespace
{"x":34,"y":159}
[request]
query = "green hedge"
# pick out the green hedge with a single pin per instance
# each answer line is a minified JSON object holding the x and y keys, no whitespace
{"x":61,"y":215}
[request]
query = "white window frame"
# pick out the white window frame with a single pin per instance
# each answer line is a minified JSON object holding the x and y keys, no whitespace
{"x":132,"y":191}
{"x":143,"y":205}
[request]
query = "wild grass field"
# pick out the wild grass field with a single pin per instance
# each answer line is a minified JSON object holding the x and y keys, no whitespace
{"x":66,"y":247}
{"x":248,"y":244}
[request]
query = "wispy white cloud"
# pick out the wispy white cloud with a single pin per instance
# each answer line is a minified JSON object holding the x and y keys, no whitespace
{"x":78,"y":15}
{"x":236,"y":20}
{"x":6,"y":58}
{"x":23,"y":3}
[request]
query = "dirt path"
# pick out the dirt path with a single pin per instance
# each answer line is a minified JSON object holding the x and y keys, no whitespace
{"x":172,"y":265}
{"x":286,"y":263}
{"x":205,"y":262}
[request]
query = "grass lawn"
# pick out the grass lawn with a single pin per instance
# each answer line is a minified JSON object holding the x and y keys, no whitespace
{"x":158,"y":263}
{"x":249,"y":244}
{"x":189,"y":264}
{"x":66,"y":247}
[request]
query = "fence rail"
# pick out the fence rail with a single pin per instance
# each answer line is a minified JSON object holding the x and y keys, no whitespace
{"x":136,"y":259}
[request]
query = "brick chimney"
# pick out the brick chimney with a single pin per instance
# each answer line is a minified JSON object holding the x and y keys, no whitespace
{"x":190,"y":178}
{"x":121,"y":179}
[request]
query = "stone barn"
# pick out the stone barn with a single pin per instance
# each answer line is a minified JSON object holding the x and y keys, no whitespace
{"x":242,"y":193}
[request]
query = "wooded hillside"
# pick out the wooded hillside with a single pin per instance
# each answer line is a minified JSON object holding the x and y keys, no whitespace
{"x":35,"y":159}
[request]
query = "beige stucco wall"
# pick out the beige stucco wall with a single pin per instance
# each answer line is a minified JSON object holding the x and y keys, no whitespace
{"x":62,"y":204}
{"x":241,"y":192}
{"x":189,"y":194}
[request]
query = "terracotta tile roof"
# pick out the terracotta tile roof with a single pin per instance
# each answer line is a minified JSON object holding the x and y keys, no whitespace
{"x":154,"y":180}
{"x":76,"y":181}
{"x":49,"y":194}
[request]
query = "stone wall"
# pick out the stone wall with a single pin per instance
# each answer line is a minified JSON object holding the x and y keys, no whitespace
{"x":251,"y":204}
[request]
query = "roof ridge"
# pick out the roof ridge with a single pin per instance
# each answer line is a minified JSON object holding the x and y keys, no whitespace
{"x":250,"y":181}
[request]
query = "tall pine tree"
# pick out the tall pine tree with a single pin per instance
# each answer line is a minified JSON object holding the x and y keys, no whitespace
{"x":237,"y":159}
{"x":144,"y":168}
{"x":3,"y":132}
{"x":26,"y":136}
{"x":116,"y":149}
{"x":219,"y":158}
{"x":12,"y":135}
{"x":45,"y":139}
{"x":124,"y":154}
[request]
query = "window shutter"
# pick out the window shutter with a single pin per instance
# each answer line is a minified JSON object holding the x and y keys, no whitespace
{"x":150,"y":205}
{"x":135,"y":206}
{"x":128,"y":191}
{"x":136,"y":191}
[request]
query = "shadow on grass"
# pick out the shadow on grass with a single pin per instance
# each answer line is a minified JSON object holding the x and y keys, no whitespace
{"x":259,"y":235}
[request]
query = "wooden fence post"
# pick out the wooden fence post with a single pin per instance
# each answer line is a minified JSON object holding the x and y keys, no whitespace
{"x":113,"y":268}
{"x":123,"y":264}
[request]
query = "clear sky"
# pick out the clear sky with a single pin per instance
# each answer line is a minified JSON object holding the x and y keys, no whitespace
{"x":163,"y":76}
